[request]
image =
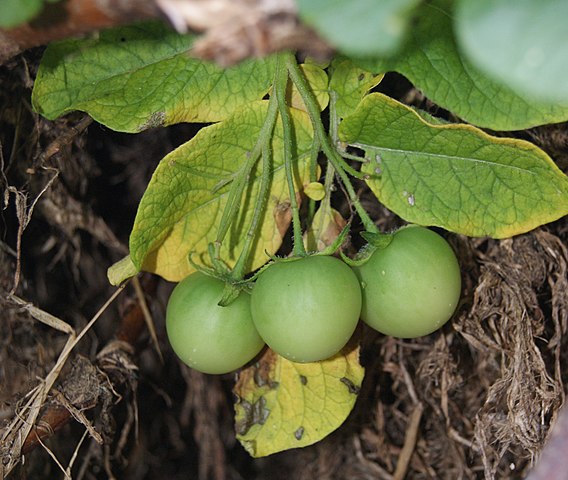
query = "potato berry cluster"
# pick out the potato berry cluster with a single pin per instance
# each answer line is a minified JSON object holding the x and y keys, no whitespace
{"x":306,"y":309}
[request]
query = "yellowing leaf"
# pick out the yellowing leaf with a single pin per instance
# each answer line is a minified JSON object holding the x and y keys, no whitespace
{"x":283,"y":405}
{"x":351,"y":84}
{"x":317,"y":81}
{"x":180,"y":211}
{"x":121,"y":270}
{"x":315,"y":191}
{"x":326,"y":225}
{"x":454,"y":176}
{"x":318,"y":62}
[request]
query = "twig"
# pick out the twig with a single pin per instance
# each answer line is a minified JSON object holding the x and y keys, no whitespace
{"x":75,"y":453}
{"x":21,"y":428}
{"x":454,"y":435}
{"x":370,"y":465}
{"x":44,"y":317}
{"x":143,"y":305}
{"x":66,"y":138}
{"x":410,"y":438}
{"x":131,"y":326}
{"x":24,"y":214}
{"x":79,"y":416}
{"x":57,"y":462}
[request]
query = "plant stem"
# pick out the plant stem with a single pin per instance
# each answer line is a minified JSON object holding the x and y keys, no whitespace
{"x":313,"y":177}
{"x":280,"y":94}
{"x":324,"y":140}
{"x":242,"y":177}
{"x":239,"y":270}
{"x":355,"y":158}
{"x":325,"y":205}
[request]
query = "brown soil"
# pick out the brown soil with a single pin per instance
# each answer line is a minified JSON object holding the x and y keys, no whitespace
{"x":474,"y":400}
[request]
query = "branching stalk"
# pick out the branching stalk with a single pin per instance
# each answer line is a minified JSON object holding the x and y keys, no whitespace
{"x":242,"y":177}
{"x":328,"y":149}
{"x":280,"y":94}
{"x":239,"y":270}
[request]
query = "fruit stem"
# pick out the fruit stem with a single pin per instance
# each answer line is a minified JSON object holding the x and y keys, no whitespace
{"x":326,"y":144}
{"x":280,"y":93}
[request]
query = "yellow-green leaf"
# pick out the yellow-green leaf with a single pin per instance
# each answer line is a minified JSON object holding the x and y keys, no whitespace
{"x":141,"y":76}
{"x":180,"y":211}
{"x":318,"y":62}
{"x":351,"y":84}
{"x":315,"y":191}
{"x":454,"y":176}
{"x":283,"y":405}
{"x":317,"y":80}
{"x":121,"y":270}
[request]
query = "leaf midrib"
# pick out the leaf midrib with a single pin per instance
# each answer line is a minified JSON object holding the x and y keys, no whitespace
{"x":442,"y":156}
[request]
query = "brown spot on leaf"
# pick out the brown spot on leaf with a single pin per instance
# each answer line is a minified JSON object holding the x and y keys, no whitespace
{"x":354,"y":389}
{"x":255,"y":414}
{"x":282,"y":216}
{"x":258,"y":375}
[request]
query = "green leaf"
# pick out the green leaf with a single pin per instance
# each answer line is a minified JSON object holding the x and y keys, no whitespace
{"x":16,"y":12}
{"x":351,"y":84}
{"x":520,"y":42}
{"x":454,"y":176}
{"x":378,"y":240}
{"x":432,"y":62}
{"x":283,"y":405}
{"x":141,"y":76}
{"x":179,"y":213}
{"x":360,"y":27}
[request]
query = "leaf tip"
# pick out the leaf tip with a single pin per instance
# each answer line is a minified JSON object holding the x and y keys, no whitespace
{"x":121,"y":270}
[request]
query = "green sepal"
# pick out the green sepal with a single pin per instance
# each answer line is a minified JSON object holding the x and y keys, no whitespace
{"x":377,"y":240}
{"x":336,"y":245}
{"x":230,"y":294}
